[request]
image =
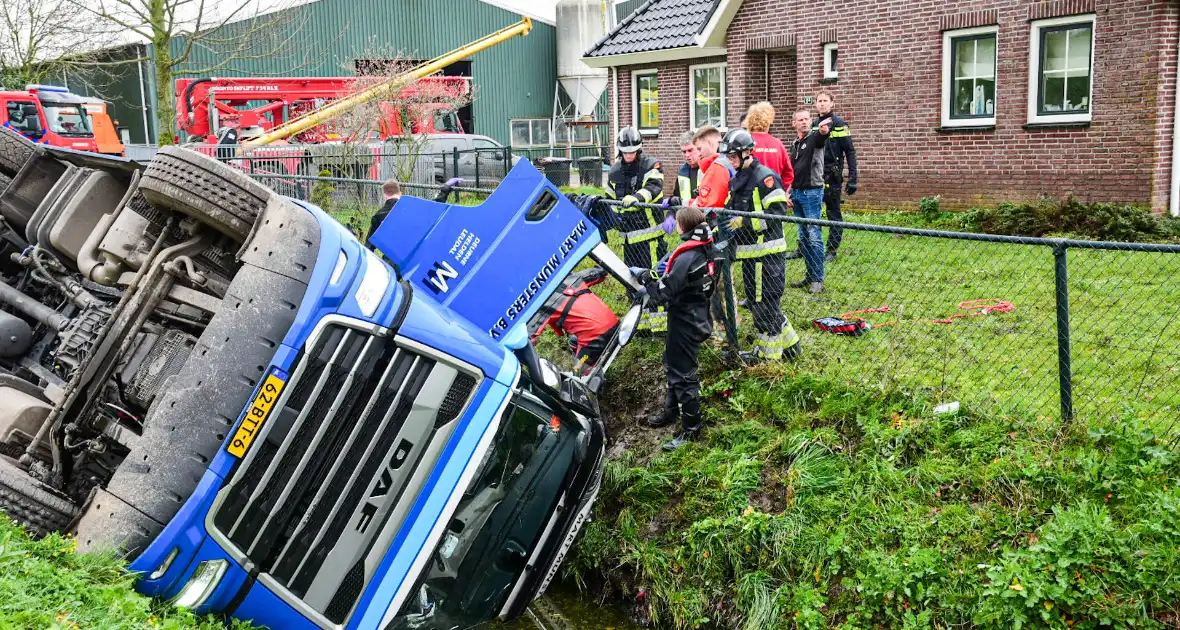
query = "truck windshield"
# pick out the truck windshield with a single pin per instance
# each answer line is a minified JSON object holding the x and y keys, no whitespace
{"x":68,"y":120}
{"x":498,"y":521}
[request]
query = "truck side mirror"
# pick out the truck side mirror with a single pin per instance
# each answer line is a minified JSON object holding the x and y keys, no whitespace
{"x":630,"y":323}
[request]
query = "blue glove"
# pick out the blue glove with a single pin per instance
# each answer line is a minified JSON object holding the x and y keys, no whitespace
{"x":452,"y":182}
{"x":669,"y":224}
{"x":637,"y":272}
{"x":662,"y":267}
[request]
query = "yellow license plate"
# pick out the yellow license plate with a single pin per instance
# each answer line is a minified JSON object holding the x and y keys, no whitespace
{"x":268,"y":394}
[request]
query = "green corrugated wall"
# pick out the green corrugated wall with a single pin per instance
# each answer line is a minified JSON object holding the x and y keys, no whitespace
{"x":515,"y":79}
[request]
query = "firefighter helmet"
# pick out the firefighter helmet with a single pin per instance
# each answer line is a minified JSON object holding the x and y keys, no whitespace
{"x":736,"y":141}
{"x":629,"y":140}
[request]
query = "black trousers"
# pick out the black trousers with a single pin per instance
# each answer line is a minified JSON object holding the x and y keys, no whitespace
{"x":589,"y":355}
{"x":680,"y":363}
{"x":641,"y":254}
{"x":765,"y":279}
{"x":832,"y":208}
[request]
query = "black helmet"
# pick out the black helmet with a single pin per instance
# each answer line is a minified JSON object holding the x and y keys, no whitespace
{"x":629,"y":140}
{"x":736,"y":141}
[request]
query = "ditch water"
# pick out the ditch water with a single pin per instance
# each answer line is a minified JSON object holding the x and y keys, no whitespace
{"x":567,"y":611}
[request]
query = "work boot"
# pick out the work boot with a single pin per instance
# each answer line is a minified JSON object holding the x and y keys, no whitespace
{"x":742,"y":303}
{"x":815,"y":288}
{"x":801,"y":284}
{"x":669,"y":416}
{"x":682,"y":438}
{"x":830,"y":257}
{"x":690,"y":430}
{"x":794,"y":351}
{"x":795,"y":255}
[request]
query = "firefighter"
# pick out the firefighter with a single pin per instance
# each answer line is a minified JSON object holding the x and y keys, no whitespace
{"x":760,"y":246}
{"x":685,"y":286}
{"x":689,"y":176}
{"x":582,"y":316}
{"x":636,"y":178}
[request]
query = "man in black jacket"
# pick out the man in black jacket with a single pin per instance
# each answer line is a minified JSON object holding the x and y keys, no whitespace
{"x":393,"y":193}
{"x":838,"y":150}
{"x":684,"y":288}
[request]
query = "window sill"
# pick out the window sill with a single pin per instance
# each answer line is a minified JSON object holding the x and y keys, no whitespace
{"x":1077,"y":124}
{"x":829,"y":80}
{"x":965,"y":128}
{"x":649,"y":132}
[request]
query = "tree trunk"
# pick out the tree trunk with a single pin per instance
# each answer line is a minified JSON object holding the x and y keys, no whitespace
{"x":165,"y":108}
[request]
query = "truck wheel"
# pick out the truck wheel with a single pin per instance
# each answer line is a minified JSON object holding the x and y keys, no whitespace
{"x":29,"y":503}
{"x":216,"y":194}
{"x":15,"y":150}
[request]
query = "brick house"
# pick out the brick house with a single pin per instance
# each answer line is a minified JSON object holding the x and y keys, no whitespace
{"x":980,"y":102}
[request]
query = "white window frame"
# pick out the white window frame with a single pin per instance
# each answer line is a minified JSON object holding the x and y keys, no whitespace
{"x":948,"y":77}
{"x":692,"y":92}
{"x":635,"y":74}
{"x":532,"y":142}
{"x":829,"y":72}
{"x":1034,"y":69}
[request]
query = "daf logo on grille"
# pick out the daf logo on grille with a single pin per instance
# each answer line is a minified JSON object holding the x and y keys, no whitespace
{"x":384,"y":484}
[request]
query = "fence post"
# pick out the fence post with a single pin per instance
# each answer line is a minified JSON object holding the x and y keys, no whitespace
{"x":477,"y":169}
{"x":731,"y":333}
{"x":454,"y":163}
{"x":1064,"y":366}
{"x":507,"y":153}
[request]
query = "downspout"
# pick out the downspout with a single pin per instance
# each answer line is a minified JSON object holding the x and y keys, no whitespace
{"x":614,"y":73}
{"x":147,"y":134}
{"x":1174,"y":194}
{"x":766,"y":72}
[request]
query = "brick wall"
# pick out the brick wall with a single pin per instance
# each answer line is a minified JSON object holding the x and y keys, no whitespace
{"x":890,"y":91}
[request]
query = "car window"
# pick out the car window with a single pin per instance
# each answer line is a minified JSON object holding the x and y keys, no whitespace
{"x":480,"y":143}
{"x":22,"y":116}
{"x":447,"y":145}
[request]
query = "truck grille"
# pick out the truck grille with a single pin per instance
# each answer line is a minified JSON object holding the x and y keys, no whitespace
{"x":317,"y":500}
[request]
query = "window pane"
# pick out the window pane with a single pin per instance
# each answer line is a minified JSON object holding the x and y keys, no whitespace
{"x":985,"y":57}
{"x":648,"y":96}
{"x":708,"y":88}
{"x":1053,"y":93}
{"x":1079,"y":48}
{"x":833,"y":61}
{"x":964,"y":57}
{"x":520,"y":133}
{"x":1077,"y":91}
{"x":1053,"y":55}
{"x":961,"y":104}
{"x":541,"y":132}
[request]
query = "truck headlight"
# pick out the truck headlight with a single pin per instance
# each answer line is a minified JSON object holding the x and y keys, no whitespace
{"x":373,"y":285}
{"x":201,"y":585}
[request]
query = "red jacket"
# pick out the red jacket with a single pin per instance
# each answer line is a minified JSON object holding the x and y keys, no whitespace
{"x":770,"y":151}
{"x":588,"y":317}
{"x":713,"y":189}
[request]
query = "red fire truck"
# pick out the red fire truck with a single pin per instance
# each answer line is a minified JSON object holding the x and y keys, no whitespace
{"x":252,"y":106}
{"x":49,"y":115}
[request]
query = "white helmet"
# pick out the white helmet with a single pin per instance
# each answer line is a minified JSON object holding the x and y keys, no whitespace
{"x":629,"y":140}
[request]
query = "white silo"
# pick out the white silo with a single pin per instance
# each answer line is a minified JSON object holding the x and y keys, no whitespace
{"x":580,"y":23}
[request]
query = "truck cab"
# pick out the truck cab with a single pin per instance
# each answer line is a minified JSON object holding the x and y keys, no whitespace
{"x":274,"y":422}
{"x":48,"y":115}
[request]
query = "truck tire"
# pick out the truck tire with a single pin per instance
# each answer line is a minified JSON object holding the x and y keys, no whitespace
{"x":186,"y":427}
{"x":15,"y":150}
{"x":216,"y":194}
{"x":29,"y":503}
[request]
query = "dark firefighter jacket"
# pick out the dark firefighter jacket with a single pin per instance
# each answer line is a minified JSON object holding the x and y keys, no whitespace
{"x":838,"y":149}
{"x":687,"y":285}
{"x":758,"y":189}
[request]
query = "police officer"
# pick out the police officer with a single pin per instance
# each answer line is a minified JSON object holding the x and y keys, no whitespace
{"x":685,"y":286}
{"x":760,"y":246}
{"x":636,"y":178}
{"x":838,"y":149}
{"x":688,"y":177}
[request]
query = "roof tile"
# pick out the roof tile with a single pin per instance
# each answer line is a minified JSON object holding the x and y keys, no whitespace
{"x":657,"y":25}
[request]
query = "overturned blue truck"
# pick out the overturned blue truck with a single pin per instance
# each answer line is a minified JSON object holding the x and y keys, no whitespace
{"x":276,"y":423}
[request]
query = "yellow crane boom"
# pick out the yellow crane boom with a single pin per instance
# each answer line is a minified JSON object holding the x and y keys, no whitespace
{"x":303,"y":123}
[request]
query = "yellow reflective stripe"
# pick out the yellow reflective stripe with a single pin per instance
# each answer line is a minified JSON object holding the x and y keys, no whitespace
{"x":610,"y":192}
{"x":788,"y":335}
{"x":757,"y":282}
{"x":756,"y":223}
{"x":639,"y":236}
{"x":758,"y":250}
{"x":654,"y":173}
{"x":839,"y":132}
{"x":654,"y":250}
{"x":646,"y":195}
{"x":684,"y":184}
{"x":778,"y":195}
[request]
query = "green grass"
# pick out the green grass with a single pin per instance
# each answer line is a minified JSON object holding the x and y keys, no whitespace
{"x":45,"y":584}
{"x":811,"y":503}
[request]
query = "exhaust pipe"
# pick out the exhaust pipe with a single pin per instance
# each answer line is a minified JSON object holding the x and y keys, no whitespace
{"x":32,"y":308}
